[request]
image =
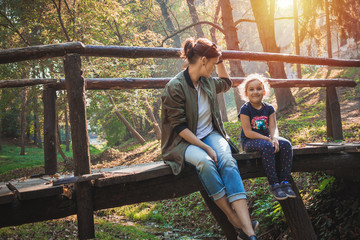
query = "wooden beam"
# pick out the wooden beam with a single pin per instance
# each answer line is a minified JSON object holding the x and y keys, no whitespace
{"x":333,"y":115}
{"x":25,"y":82}
{"x":75,"y":87}
{"x":157,"y":83}
{"x":297,"y":217}
{"x":59,"y":50}
{"x":39,"y":52}
{"x":50,"y":154}
{"x":162,"y":186}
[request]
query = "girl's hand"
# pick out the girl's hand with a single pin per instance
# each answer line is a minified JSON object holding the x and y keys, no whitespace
{"x":212,"y":154}
{"x":275,"y":143}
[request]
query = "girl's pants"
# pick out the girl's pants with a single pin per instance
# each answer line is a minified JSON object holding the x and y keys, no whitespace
{"x":268,"y":158}
{"x":220,"y":180}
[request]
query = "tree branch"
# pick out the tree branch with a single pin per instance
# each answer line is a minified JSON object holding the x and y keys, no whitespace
{"x":192,"y":25}
{"x":58,"y":9}
{"x":15,"y":29}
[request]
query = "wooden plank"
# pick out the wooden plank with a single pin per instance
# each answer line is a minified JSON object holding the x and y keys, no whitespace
{"x":39,"y":191}
{"x":135,"y":173}
{"x":82,"y":178}
{"x":34,"y":188}
{"x":6,"y":196}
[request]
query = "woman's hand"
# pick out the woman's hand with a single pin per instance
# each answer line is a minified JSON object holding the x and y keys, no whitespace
{"x":212,"y":154}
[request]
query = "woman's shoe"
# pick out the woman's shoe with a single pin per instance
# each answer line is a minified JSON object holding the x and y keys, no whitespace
{"x":243,"y":236}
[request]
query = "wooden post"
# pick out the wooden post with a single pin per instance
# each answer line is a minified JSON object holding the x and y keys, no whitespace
{"x":297,"y":217}
{"x":220,"y":217}
{"x":50,"y":155}
{"x":333,"y":115}
{"x":75,"y":86}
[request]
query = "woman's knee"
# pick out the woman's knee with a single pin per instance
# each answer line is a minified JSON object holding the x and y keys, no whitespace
{"x":205,"y":164}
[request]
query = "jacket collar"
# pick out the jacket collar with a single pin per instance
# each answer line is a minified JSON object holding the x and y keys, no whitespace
{"x":188,"y":78}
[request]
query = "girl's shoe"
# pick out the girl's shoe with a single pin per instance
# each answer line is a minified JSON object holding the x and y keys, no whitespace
{"x":278,"y":192}
{"x":286,"y":187}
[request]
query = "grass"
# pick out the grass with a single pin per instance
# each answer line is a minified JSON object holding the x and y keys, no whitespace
{"x":11,"y":159}
{"x":67,"y":229}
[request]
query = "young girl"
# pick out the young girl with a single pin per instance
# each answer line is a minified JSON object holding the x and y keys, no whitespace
{"x":260,"y":134}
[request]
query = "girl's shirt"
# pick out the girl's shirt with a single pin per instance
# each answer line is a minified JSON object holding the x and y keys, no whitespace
{"x":259,"y":119}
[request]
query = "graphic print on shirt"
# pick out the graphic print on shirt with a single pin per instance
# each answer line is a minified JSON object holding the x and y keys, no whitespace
{"x":260,"y":123}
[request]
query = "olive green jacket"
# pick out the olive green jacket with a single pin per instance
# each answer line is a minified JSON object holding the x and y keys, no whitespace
{"x":180,"y":111}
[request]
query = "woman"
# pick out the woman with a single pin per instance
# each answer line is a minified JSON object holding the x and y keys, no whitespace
{"x":193,"y":132}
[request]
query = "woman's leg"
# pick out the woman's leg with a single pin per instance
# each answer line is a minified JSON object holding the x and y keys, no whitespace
{"x":211,"y":181}
{"x":267,"y":157}
{"x":234,"y":205}
{"x":286,"y":157}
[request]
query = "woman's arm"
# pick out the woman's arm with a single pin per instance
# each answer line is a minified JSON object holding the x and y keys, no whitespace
{"x":249,"y":133}
{"x":192,"y":139}
{"x":221,"y":71}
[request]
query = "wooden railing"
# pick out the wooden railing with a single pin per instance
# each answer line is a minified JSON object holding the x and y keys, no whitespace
{"x":75,"y":85}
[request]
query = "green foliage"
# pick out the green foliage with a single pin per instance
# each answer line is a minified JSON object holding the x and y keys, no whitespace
{"x":335,"y":205}
{"x":264,"y":207}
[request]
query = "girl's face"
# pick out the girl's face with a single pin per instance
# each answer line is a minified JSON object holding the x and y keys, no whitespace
{"x":208,"y":66}
{"x":255,"y":91}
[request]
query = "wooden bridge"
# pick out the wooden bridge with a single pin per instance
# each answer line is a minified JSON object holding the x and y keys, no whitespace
{"x":44,"y":198}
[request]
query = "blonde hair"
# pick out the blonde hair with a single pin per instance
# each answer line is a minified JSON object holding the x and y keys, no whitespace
{"x":252,"y":77}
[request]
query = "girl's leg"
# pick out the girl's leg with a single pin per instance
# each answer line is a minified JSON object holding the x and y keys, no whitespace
{"x":267,"y":157}
{"x":286,"y":157}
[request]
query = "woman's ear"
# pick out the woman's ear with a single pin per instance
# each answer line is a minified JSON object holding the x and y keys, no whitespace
{"x":203,"y":60}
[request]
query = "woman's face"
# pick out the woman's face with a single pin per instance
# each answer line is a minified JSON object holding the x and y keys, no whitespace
{"x":208,"y":66}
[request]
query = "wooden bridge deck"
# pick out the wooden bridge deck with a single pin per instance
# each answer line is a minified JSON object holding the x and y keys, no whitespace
{"x":37,"y":199}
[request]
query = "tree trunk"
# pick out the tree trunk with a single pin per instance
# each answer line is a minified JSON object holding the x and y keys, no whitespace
{"x":37,"y":136}
{"x":232,"y":43}
{"x":1,"y":112}
{"x":153,"y":119}
{"x":127,"y":124}
{"x":23,"y":119}
{"x":195,"y":18}
{"x":264,"y":17}
{"x":67,"y":129}
{"x":169,"y":23}
{"x":296,"y":31}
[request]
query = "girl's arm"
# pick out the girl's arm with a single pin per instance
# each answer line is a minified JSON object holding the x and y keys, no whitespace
{"x":274,"y":132}
{"x":249,"y":133}
{"x":192,"y":139}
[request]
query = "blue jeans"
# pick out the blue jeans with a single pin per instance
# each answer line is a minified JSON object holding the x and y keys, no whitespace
{"x":220,"y":180}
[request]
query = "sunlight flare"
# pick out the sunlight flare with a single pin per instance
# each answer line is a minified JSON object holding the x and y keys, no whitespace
{"x":284,"y":4}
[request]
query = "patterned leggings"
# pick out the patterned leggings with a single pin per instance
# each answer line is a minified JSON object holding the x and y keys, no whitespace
{"x":268,"y":158}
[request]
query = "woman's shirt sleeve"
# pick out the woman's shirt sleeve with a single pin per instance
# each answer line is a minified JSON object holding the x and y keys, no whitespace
{"x":222,"y":84}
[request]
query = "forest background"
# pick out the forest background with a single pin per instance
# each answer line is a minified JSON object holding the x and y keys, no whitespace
{"x":249,"y":25}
